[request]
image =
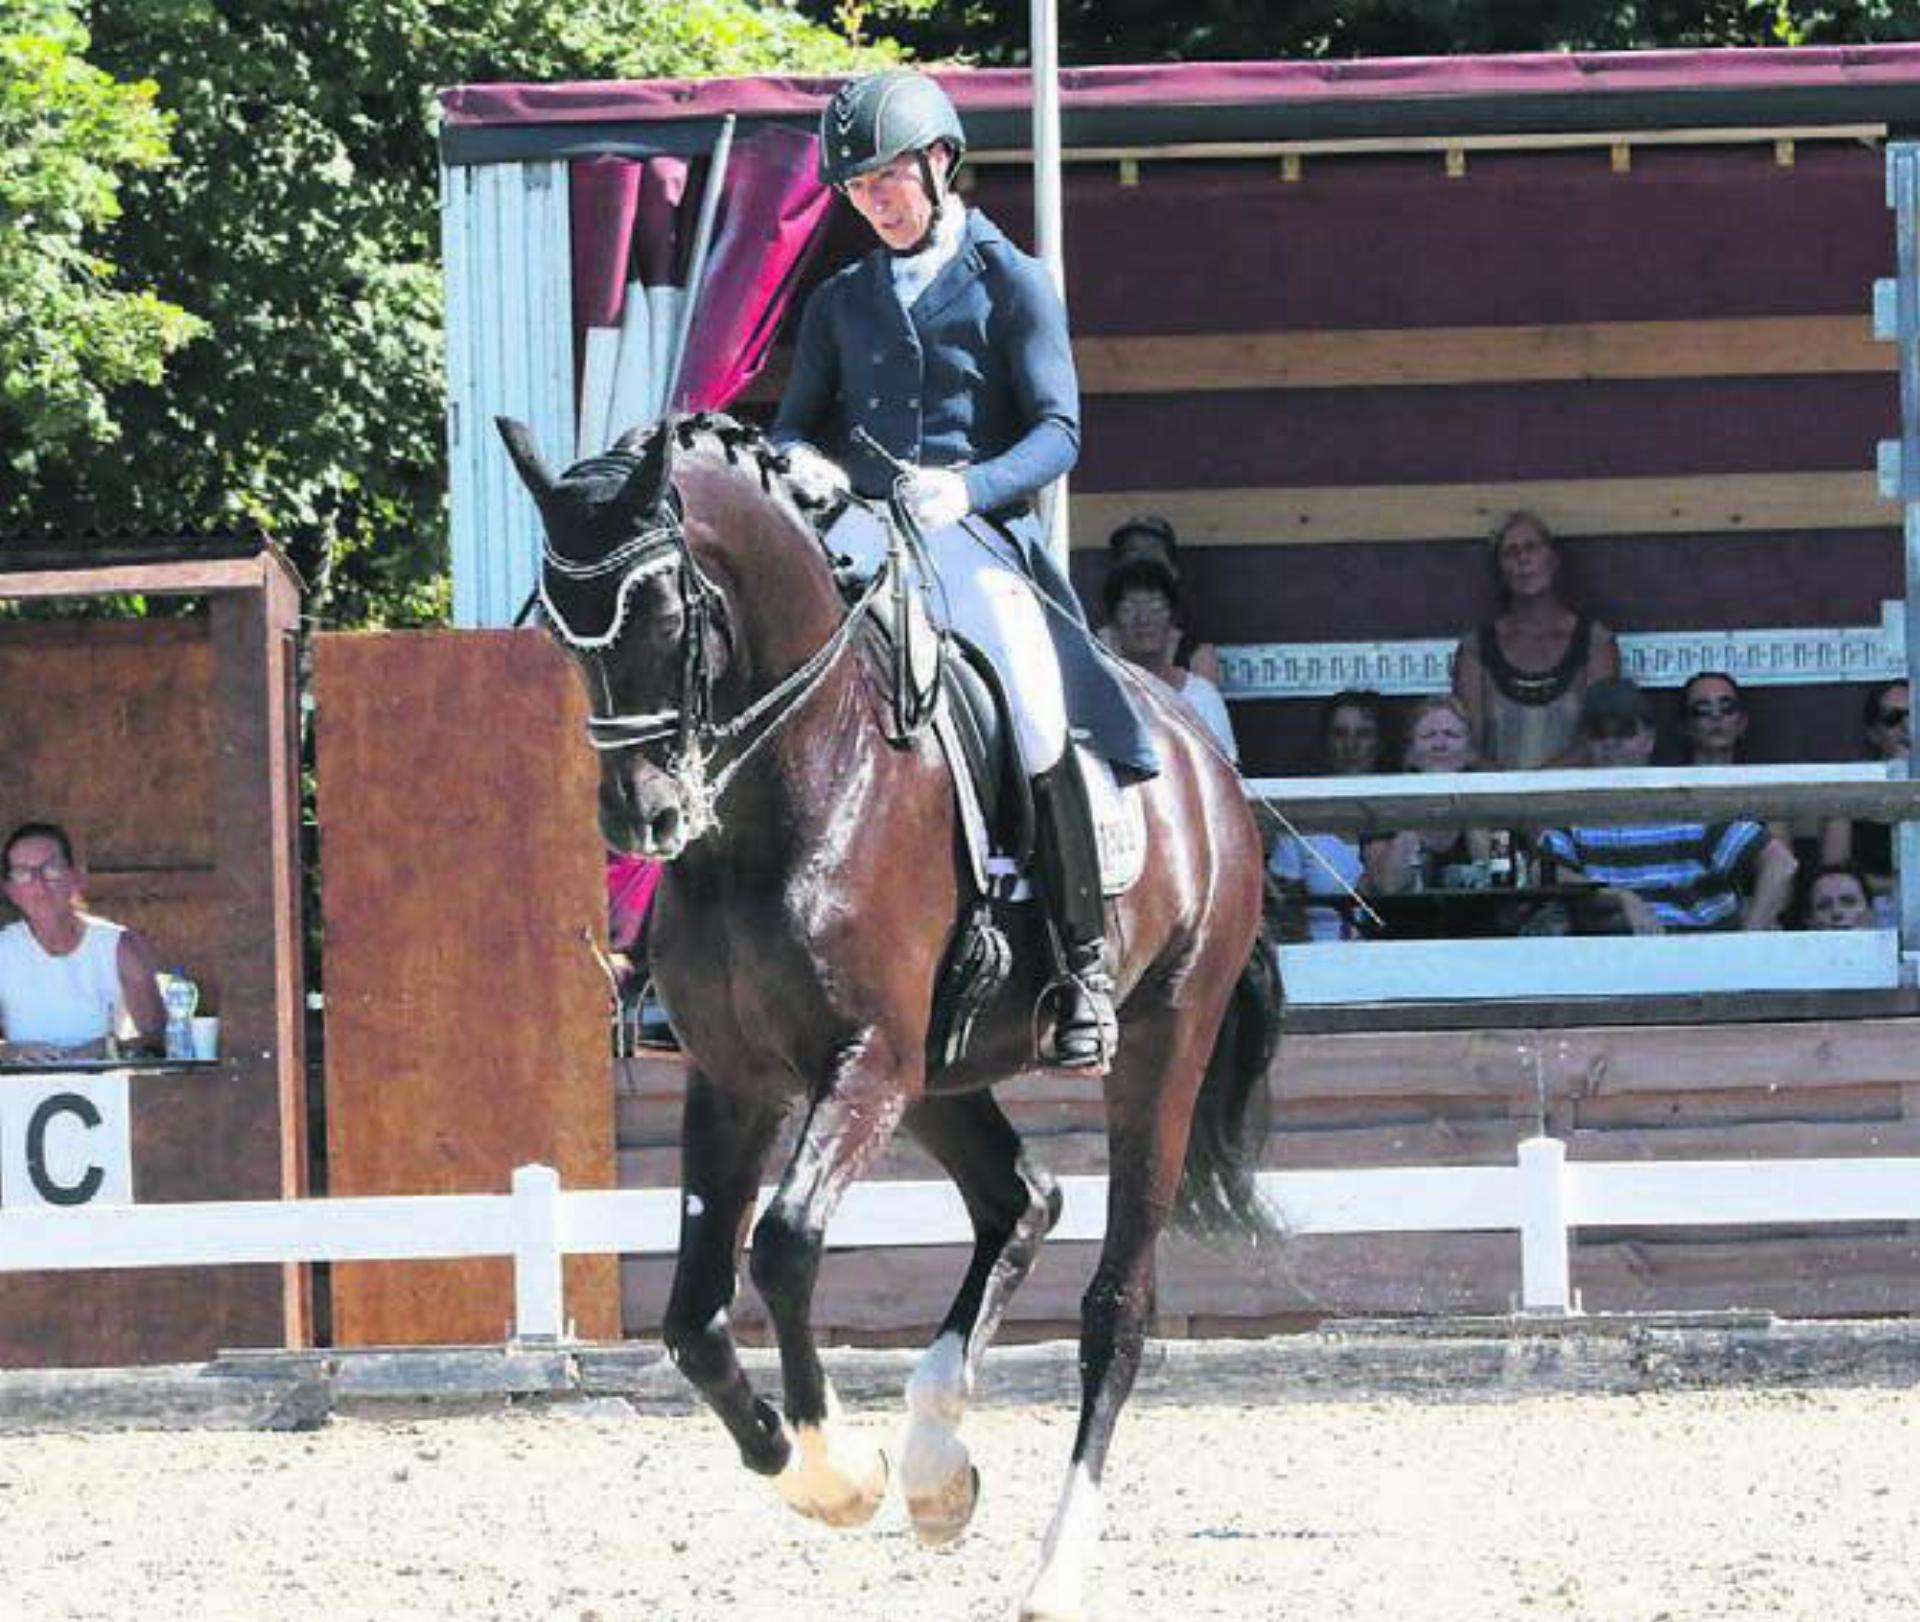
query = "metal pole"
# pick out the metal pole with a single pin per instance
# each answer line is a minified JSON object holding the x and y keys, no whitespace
{"x":697,"y":266}
{"x":1903,"y":187}
{"x":1044,"y":45}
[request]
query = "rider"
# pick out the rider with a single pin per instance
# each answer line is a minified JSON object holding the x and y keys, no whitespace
{"x":949,"y":346}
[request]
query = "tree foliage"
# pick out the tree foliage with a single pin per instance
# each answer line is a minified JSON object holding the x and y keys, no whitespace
{"x":69,"y":330}
{"x":299,"y":222}
{"x":1096,"y":31}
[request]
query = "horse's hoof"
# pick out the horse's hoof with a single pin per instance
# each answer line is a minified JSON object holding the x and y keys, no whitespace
{"x":940,"y":1516}
{"x":830,"y":1483}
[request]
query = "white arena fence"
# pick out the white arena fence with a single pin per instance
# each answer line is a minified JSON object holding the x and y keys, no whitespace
{"x":1542,"y":1198}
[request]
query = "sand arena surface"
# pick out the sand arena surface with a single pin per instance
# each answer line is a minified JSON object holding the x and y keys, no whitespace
{"x":1716,"y":1504}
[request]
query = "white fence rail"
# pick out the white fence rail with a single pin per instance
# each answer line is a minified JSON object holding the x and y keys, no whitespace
{"x":1542,"y":1198}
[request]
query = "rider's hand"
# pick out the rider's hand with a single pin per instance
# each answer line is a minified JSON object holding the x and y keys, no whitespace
{"x":936,"y":497}
{"x":816,"y":481}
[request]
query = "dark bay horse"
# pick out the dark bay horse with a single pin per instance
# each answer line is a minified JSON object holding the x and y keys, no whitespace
{"x":815,"y":876}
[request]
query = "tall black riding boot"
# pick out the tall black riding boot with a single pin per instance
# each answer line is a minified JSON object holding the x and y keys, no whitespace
{"x":1067,"y":864}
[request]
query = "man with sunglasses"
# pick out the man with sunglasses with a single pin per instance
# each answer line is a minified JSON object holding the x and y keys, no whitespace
{"x":69,"y":982}
{"x":947,"y":348}
{"x":1675,"y":877}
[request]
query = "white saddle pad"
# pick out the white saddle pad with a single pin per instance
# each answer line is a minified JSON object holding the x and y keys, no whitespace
{"x":1119,"y":824}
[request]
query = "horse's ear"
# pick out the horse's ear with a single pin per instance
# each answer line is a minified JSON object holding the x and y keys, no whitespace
{"x":646,"y":487}
{"x":534,"y":472}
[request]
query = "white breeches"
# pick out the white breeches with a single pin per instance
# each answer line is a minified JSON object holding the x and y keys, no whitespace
{"x":983,"y":593}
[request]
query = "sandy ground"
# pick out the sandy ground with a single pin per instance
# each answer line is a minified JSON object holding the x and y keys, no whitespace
{"x":1724,"y":1504}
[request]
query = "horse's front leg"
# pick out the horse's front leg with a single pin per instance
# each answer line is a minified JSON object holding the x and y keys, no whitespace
{"x":1150,"y":1098}
{"x":724,"y":1139}
{"x":1012,"y":1203}
{"x":834,"y":1476}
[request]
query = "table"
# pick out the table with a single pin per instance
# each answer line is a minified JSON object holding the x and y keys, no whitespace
{"x":1424,"y":915}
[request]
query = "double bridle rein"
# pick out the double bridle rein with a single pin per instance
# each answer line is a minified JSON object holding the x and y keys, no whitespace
{"x":698,"y":738}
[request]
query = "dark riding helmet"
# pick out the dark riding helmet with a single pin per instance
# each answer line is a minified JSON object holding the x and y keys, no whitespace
{"x":872,"y":121}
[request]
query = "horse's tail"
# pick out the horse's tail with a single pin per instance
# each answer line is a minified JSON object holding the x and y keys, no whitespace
{"x":1217,"y":1191}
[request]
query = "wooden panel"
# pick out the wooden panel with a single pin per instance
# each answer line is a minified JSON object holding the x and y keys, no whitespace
{"x":140,"y":794}
{"x":466,"y":1019}
{"x":1426,"y":357}
{"x":1428,"y":512}
{"x":199,"y":1134}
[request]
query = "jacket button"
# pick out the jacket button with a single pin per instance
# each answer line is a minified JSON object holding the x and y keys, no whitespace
{"x":873,"y":402}
{"x":915,"y":402}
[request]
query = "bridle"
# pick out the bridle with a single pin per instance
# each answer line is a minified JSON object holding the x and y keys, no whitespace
{"x":699,"y":740}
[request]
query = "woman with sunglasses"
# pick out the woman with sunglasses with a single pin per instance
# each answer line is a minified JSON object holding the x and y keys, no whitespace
{"x":1868,"y":846}
{"x":69,"y":982}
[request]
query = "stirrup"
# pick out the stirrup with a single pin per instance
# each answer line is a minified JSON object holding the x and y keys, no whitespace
{"x":1089,"y":1038}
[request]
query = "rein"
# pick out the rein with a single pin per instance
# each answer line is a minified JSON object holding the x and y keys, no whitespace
{"x":691,"y":720}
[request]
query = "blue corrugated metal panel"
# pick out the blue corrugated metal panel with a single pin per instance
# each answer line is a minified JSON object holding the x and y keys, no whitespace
{"x":509,"y":274}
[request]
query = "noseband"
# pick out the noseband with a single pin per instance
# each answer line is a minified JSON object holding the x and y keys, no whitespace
{"x":690,"y":722}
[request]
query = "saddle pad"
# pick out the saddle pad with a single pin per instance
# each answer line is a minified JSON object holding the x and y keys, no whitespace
{"x":1119,"y":823}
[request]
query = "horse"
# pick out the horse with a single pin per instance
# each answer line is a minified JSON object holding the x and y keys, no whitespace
{"x":815,"y":875}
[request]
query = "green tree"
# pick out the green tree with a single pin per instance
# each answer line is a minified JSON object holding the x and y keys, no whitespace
{"x":300,"y":222}
{"x":70,"y":332}
{"x":1096,"y":31}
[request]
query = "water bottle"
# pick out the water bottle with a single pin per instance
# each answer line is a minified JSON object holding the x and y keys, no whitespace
{"x":181,"y":997}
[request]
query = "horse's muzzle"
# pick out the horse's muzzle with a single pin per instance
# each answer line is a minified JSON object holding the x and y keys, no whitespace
{"x":640,"y":809}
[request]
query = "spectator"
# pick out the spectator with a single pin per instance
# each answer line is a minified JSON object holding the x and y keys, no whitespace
{"x":1838,"y":899}
{"x":1868,"y":846}
{"x":1314,"y":868}
{"x":1143,"y":601}
{"x":1153,"y":540}
{"x":1439,"y":739}
{"x":1669,"y":877}
{"x":69,"y":981}
{"x":1713,"y":712}
{"x":1521,"y":675}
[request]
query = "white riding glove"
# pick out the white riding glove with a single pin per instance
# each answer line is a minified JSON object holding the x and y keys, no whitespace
{"x":936,"y":497}
{"x":816,"y":481}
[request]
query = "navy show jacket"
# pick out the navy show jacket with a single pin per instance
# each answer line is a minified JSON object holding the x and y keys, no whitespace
{"x":978,"y":375}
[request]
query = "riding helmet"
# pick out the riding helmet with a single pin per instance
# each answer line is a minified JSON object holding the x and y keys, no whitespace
{"x":871,"y":121}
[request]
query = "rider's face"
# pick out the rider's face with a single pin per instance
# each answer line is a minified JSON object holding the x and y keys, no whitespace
{"x":893,"y":200}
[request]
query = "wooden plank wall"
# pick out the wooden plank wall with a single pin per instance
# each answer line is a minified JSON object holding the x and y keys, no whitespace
{"x":467,"y":1023}
{"x":165,"y":747}
{"x":1428,"y":1098}
{"x":1334,"y":384}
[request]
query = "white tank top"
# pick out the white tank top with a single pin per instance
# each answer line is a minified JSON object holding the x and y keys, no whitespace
{"x":66,"y":1000}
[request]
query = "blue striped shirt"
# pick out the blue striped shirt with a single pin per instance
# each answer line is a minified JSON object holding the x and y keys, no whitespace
{"x":1692,"y":874}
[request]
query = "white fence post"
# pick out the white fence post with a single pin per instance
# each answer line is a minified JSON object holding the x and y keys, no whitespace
{"x":538,"y":1302}
{"x":1544,"y":1282}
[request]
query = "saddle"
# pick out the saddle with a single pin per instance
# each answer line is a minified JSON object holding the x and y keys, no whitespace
{"x":956,"y":693}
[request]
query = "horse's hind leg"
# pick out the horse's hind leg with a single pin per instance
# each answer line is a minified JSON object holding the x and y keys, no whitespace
{"x":724,"y":1139}
{"x":835,"y":1476}
{"x":1012,"y":1203}
{"x":1150,"y":1098}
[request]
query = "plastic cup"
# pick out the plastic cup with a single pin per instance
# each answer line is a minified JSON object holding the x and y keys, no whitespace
{"x":206,"y":1036}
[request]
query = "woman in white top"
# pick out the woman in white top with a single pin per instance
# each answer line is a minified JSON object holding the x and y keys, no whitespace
{"x":1142,"y":598}
{"x":68,"y":980}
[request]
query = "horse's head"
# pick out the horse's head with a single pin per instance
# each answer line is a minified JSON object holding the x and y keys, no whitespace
{"x":624,"y":594}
